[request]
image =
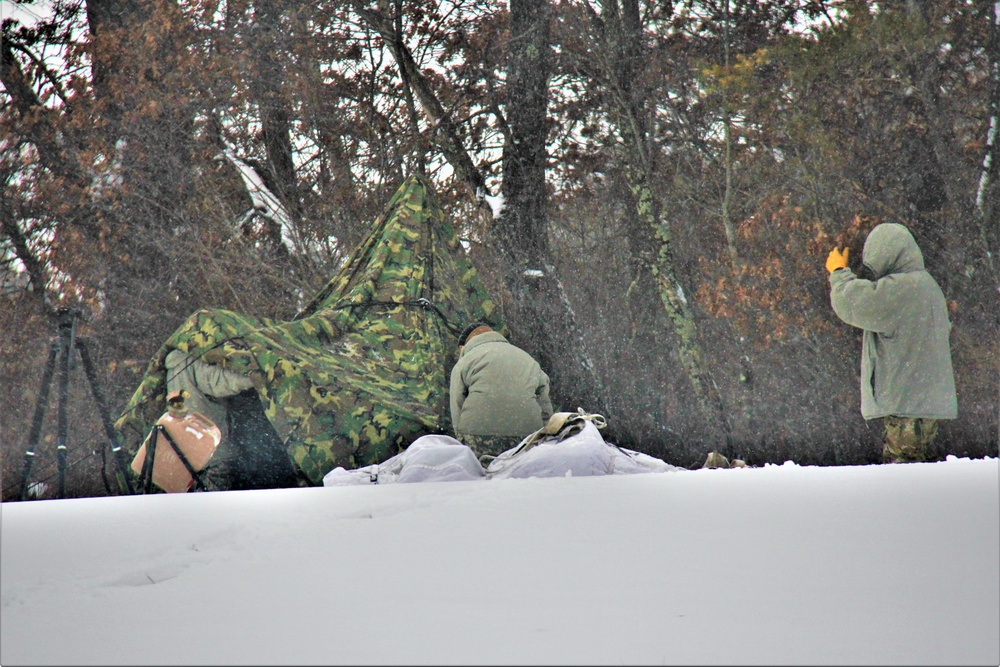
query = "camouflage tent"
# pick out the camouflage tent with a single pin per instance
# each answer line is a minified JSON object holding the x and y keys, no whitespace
{"x":362,"y":370}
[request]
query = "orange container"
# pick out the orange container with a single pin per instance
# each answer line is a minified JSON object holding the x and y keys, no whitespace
{"x":196,"y":435}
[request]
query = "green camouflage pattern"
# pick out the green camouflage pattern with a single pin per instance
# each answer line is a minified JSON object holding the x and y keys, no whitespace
{"x":908,"y":439}
{"x":490,"y":445}
{"x":362,"y":370}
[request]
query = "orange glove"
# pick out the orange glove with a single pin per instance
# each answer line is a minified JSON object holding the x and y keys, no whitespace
{"x":836,"y":260}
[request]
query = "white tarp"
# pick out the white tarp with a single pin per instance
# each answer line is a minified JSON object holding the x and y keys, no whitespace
{"x":440,"y":458}
{"x":430,"y":458}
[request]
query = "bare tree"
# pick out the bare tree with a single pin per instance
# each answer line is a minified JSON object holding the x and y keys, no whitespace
{"x":618,"y":35}
{"x":544,"y":317}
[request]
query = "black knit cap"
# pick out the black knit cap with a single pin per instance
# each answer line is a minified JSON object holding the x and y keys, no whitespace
{"x":468,"y":330}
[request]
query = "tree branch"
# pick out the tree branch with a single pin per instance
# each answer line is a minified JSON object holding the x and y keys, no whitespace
{"x":19,"y":242}
{"x":450,"y":143}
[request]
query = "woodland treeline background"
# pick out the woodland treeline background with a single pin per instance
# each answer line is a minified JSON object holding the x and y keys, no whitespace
{"x":673,"y":177}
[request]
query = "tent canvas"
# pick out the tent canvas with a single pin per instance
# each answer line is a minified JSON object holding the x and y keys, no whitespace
{"x":362,"y":370}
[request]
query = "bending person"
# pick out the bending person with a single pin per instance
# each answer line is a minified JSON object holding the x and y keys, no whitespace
{"x":499,"y":393}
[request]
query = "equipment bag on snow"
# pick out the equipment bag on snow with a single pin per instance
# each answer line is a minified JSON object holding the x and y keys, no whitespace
{"x":179,"y":447}
{"x":573,"y":447}
{"x":560,"y":426}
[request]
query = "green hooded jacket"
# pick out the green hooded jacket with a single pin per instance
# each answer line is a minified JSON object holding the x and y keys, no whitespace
{"x":905,"y":355}
{"x":498,"y":389}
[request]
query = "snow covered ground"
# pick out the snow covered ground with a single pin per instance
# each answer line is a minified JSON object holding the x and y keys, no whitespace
{"x":896,"y":564}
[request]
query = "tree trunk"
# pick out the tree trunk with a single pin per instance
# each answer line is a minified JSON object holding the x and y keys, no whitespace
{"x":146,"y":96}
{"x":138,"y":55}
{"x":542,"y":317}
{"x":275,"y":122}
{"x":620,"y":28}
{"x":727,"y":196}
{"x":987,"y":193}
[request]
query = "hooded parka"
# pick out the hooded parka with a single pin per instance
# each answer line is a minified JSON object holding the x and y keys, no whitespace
{"x":906,"y":367}
{"x":498,"y":389}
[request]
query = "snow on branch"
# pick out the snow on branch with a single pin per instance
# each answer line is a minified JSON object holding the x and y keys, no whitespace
{"x":265,"y":202}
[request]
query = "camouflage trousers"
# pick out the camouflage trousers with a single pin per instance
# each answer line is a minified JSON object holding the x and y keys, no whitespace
{"x":489,"y":445}
{"x":908,"y":439}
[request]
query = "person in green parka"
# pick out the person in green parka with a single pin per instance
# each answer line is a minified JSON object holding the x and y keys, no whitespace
{"x":499,"y":393}
{"x":906,"y":370}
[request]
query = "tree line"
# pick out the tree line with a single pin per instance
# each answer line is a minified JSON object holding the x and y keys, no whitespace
{"x":648,"y":188}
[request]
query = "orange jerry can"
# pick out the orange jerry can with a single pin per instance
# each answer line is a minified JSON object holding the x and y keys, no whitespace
{"x":195,"y":435}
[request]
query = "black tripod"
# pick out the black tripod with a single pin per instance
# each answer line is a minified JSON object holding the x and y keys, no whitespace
{"x":62,"y":347}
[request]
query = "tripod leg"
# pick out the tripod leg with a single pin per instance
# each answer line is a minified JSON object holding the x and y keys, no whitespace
{"x":66,"y":345}
{"x":109,"y":429}
{"x":36,"y":421}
